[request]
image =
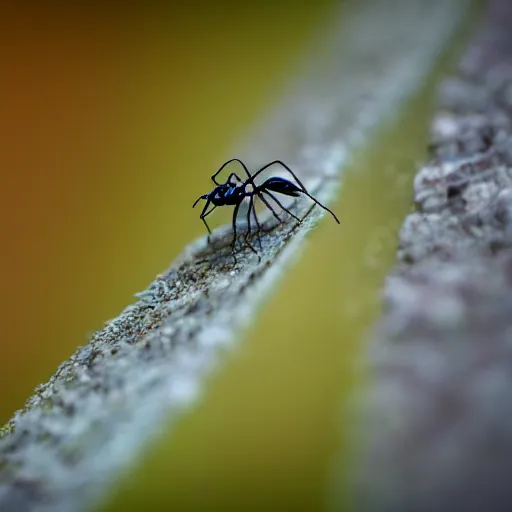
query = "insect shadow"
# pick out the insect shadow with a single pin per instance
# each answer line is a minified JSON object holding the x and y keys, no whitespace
{"x":235,"y":190}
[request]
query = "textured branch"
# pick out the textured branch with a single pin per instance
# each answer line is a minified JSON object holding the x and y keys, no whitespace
{"x":440,"y":397}
{"x":96,"y":414}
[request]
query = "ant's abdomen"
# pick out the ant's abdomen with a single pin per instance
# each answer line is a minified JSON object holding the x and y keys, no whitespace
{"x":281,"y":186}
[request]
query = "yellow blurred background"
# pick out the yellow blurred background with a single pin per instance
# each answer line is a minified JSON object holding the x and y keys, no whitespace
{"x":111,"y":125}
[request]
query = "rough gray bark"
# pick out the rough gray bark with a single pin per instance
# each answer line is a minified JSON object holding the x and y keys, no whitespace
{"x":438,"y":414}
{"x":101,"y":407}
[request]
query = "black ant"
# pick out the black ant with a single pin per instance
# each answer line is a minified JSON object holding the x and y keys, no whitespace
{"x":234,"y":192}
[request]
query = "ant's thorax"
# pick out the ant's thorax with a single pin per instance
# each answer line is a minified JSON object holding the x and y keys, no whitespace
{"x":229,"y":194}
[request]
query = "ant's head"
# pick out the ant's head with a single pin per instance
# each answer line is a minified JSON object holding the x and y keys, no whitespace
{"x":221,"y":195}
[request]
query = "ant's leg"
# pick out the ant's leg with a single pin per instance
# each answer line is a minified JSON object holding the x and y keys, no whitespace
{"x":322,"y":206}
{"x":279,"y":162}
{"x":204,"y":213}
{"x":246,"y":240}
{"x":227,"y":163}
{"x":258,"y":232}
{"x":204,"y":220}
{"x":204,"y":196}
{"x":249,"y":175}
{"x":235,"y":213}
{"x":268,"y":205}
{"x":283,"y":207}
{"x":248,"y":232}
{"x":236,"y":176}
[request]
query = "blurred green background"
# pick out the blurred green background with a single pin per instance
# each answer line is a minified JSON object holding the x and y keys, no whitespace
{"x":112,"y":123}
